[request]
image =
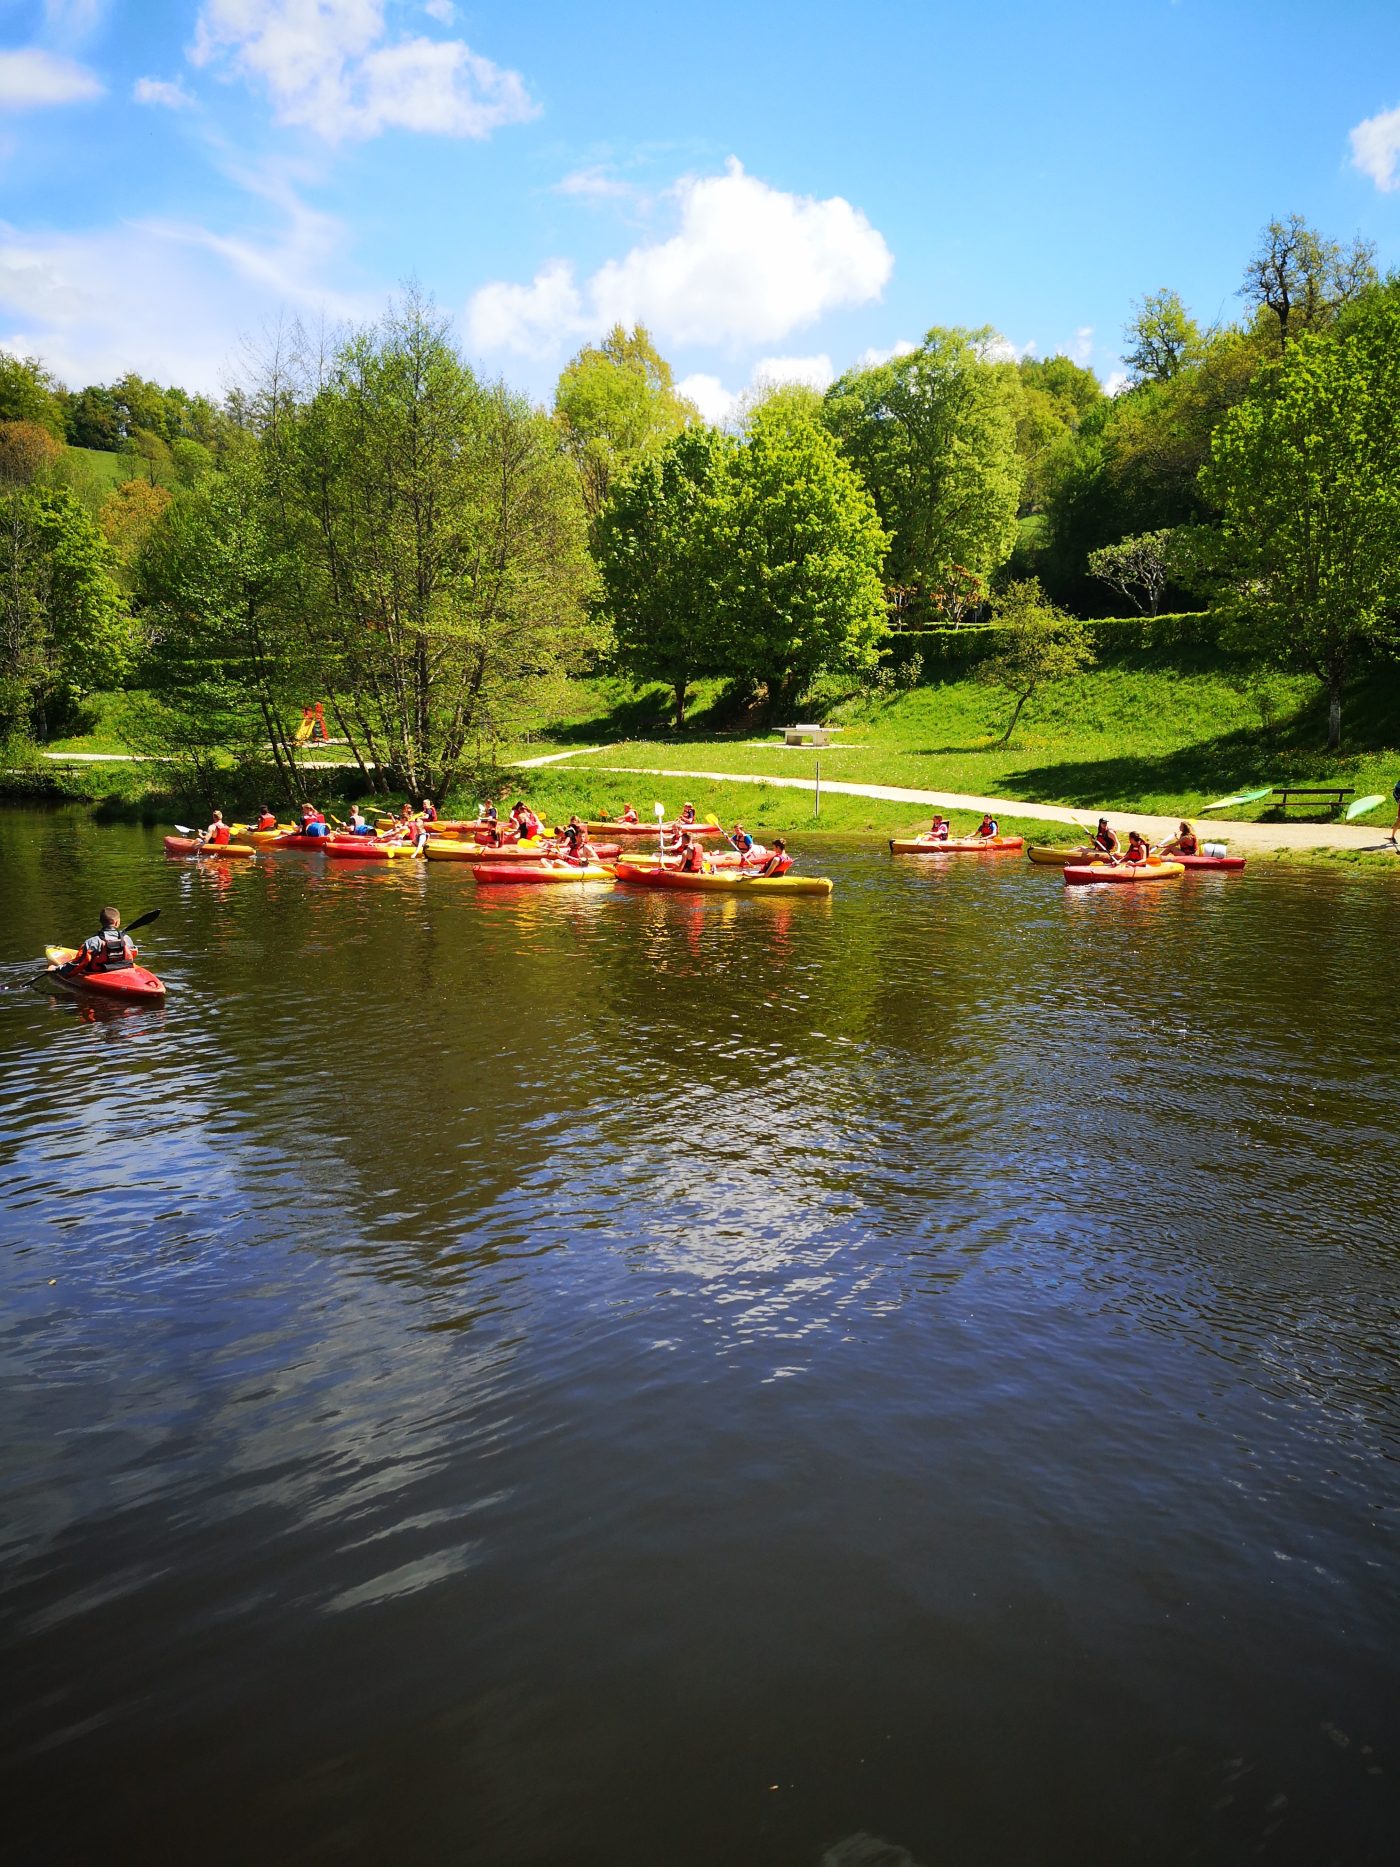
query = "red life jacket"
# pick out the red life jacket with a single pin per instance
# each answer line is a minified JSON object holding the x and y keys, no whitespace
{"x":266,"y":821}
{"x":630,"y":816}
{"x":777,"y":865}
{"x":691,"y":860}
{"x":220,"y":835}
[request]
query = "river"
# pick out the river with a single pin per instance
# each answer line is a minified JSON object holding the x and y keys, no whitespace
{"x":651,"y":1382}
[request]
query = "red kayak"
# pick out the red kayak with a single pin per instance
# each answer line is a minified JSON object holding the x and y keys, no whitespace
{"x":365,"y":849}
{"x":127,"y":985}
{"x":1231,"y":863}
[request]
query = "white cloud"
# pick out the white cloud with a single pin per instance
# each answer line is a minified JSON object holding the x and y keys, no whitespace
{"x":1002,"y":350}
{"x":815,"y":372}
{"x":871,"y":359}
{"x":167,"y":94}
{"x":593,"y":184}
{"x":1117,"y":383}
{"x":747,"y":264}
{"x":441,"y":10}
{"x":72,"y":20}
{"x":708,"y":393}
{"x":1375,"y":149}
{"x":173,"y":300}
{"x":1083,"y":346}
{"x":30,"y":79}
{"x":326,"y":65}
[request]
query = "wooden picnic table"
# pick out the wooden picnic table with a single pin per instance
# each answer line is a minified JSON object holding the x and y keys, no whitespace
{"x":1334,"y":795}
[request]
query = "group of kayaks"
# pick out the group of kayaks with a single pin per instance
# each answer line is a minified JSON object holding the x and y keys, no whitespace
{"x":1081,"y":866}
{"x":537,"y":861}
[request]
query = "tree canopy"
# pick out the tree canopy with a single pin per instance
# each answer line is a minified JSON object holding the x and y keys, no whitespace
{"x":615,"y":403}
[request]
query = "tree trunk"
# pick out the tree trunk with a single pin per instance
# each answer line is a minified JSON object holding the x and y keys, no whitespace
{"x":1335,"y":678}
{"x":680,"y":689}
{"x":1006,"y":736}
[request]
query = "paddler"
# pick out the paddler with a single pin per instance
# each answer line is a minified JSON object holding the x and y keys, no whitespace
{"x":692,"y":856}
{"x":266,"y":820}
{"x":779,"y":861}
{"x":940,"y":829}
{"x":1105,"y":841}
{"x":108,"y":950}
{"x":1184,"y":843}
{"x":313,"y":823}
{"x":428,"y":811}
{"x":988,"y":827}
{"x":1139,"y":849}
{"x":218,"y":833}
{"x":629,"y":815}
{"x":687,"y":814}
{"x":740,"y":839}
{"x":527,"y":824}
{"x":579,"y":849}
{"x":357,"y":825}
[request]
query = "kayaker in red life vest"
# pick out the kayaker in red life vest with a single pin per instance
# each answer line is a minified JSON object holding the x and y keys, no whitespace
{"x":1139,"y":849}
{"x":687,"y":813}
{"x":109,"y":950}
{"x":1106,"y":840}
{"x":988,"y":827}
{"x":940,"y":828}
{"x":266,"y":820}
{"x":218,"y":832}
{"x":692,"y":856}
{"x":779,"y":861}
{"x":429,"y":811}
{"x":313,"y":823}
{"x":629,"y":815}
{"x":527,"y":824}
{"x":740,"y":839}
{"x":579,"y":849}
{"x":1184,"y":843}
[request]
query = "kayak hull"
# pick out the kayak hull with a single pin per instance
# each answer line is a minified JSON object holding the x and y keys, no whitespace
{"x":131,"y":985}
{"x":365,"y":849}
{"x":956,"y":846}
{"x":191,"y":846}
{"x":1078,"y":873}
{"x":1054,"y":858}
{"x":603,"y":828}
{"x":724,"y":884}
{"x":273,"y":839}
{"x":1226,"y":864}
{"x":513,"y":852}
{"x":537,"y":872}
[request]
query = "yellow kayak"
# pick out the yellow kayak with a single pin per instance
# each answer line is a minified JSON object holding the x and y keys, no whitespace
{"x":1057,"y":858}
{"x":450,"y":849}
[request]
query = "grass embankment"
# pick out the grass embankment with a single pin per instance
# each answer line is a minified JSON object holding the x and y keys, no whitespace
{"x":1134,"y":734}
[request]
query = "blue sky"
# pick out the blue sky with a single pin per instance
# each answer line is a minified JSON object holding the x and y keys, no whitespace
{"x":776,"y":190}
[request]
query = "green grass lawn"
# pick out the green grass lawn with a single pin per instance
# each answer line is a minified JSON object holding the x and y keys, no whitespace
{"x":1132,"y":735}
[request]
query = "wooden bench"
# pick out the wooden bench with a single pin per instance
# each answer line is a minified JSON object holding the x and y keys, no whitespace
{"x":1333,"y":795}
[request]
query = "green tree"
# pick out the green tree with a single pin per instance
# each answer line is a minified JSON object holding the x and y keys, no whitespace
{"x":1162,"y":337}
{"x":1306,"y":474}
{"x":29,"y":393}
{"x":1038,"y":646}
{"x":615,"y":403}
{"x":933,"y":436}
{"x":1139,"y":567}
{"x":439,"y":534}
{"x":227,"y":668}
{"x":92,"y":420}
{"x":1298,"y":281}
{"x":798,"y":546}
{"x":1055,"y":396}
{"x":63,"y":626}
{"x":654,"y":545}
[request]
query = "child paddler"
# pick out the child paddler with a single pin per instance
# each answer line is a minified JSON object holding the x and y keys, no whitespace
{"x":108,"y":950}
{"x":988,"y":827}
{"x":778,"y":861}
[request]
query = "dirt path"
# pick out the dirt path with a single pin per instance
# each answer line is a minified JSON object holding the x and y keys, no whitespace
{"x":1241,"y":836}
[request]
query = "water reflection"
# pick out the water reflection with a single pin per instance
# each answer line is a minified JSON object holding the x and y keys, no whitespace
{"x":564,"y":1362}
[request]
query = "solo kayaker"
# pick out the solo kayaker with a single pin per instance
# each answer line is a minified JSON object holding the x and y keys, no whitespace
{"x":1139,"y":849}
{"x":779,"y":861}
{"x":940,"y":828}
{"x":266,"y":820}
{"x":692,"y":856}
{"x":527,"y":824}
{"x":108,"y":950}
{"x":988,"y":827}
{"x":1184,"y":843}
{"x":1106,"y":840}
{"x":629,"y":815}
{"x":217,"y":833}
{"x":579,"y":849}
{"x":429,"y":811}
{"x":357,"y":825}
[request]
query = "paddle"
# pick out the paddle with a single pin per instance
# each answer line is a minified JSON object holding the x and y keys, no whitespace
{"x":1243,"y":797}
{"x":142,"y":920}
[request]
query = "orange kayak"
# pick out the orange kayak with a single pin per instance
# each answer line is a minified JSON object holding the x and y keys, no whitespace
{"x":1079,"y":873}
{"x":955,"y":845}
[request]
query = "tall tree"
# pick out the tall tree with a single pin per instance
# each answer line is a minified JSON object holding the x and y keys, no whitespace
{"x":615,"y":403}
{"x":1298,"y":281}
{"x":1306,"y":474}
{"x":29,"y":393}
{"x":798,"y":545}
{"x":933,"y":436}
{"x":440,"y":536}
{"x":655,"y":547}
{"x":1162,"y":337}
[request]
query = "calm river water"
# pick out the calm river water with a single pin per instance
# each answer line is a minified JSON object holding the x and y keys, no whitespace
{"x":524,"y":1379}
